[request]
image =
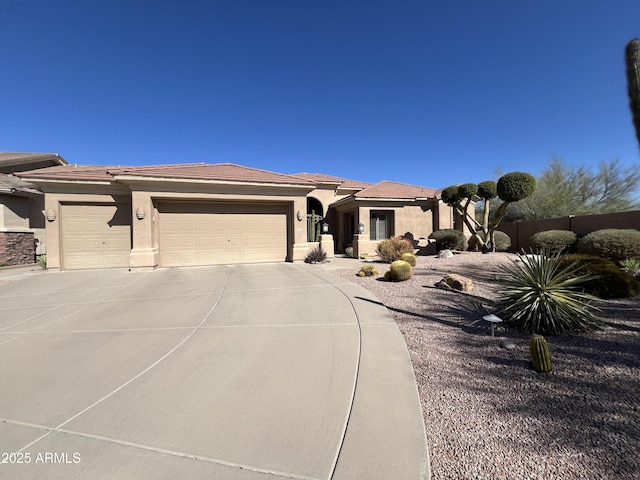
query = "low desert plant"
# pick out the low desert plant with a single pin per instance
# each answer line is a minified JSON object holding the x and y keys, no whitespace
{"x":410,"y":258}
{"x":316,"y":255}
{"x":610,"y":280}
{"x":540,"y":355}
{"x":42,"y":261}
{"x":539,"y":295}
{"x":613,"y":243}
{"x":631,"y":265}
{"x":349,"y":252}
{"x":400,"y":271}
{"x":393,"y":248}
{"x":449,"y":239}
{"x":555,"y":240}
{"x":368,"y":270}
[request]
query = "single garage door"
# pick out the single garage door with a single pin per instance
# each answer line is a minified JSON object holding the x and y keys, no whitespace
{"x":214,"y":233}
{"x":95,"y":236}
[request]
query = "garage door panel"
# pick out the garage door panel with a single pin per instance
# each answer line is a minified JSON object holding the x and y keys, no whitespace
{"x":95,"y":236}
{"x":209,"y":234}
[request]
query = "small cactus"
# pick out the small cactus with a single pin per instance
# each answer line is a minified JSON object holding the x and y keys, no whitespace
{"x":387,"y":276}
{"x":540,"y":355}
{"x":368,"y":270}
{"x":400,"y":271}
{"x":410,"y":258}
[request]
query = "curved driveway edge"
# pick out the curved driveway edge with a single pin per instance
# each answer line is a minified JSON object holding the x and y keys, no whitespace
{"x":385,"y":437}
{"x":241,"y":372}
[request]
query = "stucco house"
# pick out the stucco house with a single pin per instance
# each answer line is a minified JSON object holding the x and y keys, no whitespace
{"x":22,"y":225}
{"x":205,"y":214}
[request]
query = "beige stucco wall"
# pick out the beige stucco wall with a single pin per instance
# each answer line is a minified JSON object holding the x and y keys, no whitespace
{"x":14,"y":212}
{"x":144,"y":196}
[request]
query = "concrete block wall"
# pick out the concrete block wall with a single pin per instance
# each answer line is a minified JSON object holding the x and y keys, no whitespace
{"x":17,"y":248}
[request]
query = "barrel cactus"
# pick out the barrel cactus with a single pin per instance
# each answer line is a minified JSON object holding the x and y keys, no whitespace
{"x":400,"y":271}
{"x":540,"y":355}
{"x":368,"y":271}
{"x":410,"y":258}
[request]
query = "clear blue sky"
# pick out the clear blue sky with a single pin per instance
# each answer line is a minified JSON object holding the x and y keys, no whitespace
{"x":423,"y":92}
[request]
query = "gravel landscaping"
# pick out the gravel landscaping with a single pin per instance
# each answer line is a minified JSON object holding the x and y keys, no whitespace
{"x":488,"y":414}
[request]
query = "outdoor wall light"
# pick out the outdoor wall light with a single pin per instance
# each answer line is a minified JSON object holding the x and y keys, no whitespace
{"x":140,"y":213}
{"x":325,"y":227}
{"x":361,"y":228}
{"x":299,"y":215}
{"x":51,"y":215}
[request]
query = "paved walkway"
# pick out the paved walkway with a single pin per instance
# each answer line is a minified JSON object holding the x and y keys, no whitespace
{"x":245,"y":372}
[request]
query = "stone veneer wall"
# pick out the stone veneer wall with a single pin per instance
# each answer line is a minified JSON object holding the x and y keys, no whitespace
{"x":17,"y":248}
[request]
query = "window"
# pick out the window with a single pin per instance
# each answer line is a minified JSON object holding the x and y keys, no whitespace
{"x":380,"y":225}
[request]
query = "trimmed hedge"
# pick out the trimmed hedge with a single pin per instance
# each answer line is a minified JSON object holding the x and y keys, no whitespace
{"x":612,"y":243}
{"x":613,"y":282}
{"x":449,"y":239}
{"x":555,"y":240}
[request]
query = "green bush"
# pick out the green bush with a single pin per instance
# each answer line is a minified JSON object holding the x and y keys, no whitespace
{"x":400,"y":271}
{"x":612,"y":282}
{"x":502,"y":240}
{"x":393,"y":248}
{"x":612,"y":243}
{"x":555,"y":240}
{"x":368,"y":270}
{"x":316,"y":255}
{"x":542,"y":295}
{"x":449,"y":239}
{"x":410,"y":258}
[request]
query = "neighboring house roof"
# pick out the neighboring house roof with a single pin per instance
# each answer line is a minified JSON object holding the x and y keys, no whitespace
{"x":386,"y":190}
{"x":12,"y":185}
{"x":189,"y":171}
{"x":19,"y":161}
{"x":343,"y":183}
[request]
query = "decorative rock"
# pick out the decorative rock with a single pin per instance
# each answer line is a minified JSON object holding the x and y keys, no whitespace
{"x":445,"y":254}
{"x":508,"y":344}
{"x":455,"y":282}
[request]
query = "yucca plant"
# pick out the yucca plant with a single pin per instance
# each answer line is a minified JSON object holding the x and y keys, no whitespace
{"x":540,"y":296}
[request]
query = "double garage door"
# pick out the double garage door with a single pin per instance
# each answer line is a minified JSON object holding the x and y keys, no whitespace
{"x":99,"y":235}
{"x":210,"y":234}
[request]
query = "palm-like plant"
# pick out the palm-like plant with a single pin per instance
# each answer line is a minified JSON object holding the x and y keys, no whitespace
{"x":539,"y":296}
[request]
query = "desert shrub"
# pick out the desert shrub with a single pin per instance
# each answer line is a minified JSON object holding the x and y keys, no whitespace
{"x":501,"y":239}
{"x":540,"y":294}
{"x":348,"y":252}
{"x":42,"y":261}
{"x":449,"y":239}
{"x":368,"y":270}
{"x":612,"y":243}
{"x":410,"y":258}
{"x":400,"y":271}
{"x":611,"y":281}
{"x":555,"y":240}
{"x":631,"y":265}
{"x":393,"y":248}
{"x":316,"y":255}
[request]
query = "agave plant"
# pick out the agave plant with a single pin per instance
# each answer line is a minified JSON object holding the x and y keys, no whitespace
{"x":540,"y":296}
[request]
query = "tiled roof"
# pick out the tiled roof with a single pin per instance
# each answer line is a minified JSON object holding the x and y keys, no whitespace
{"x":393,"y":190}
{"x":17,"y":159}
{"x":207,"y":171}
{"x":14,"y":185}
{"x":191,"y":171}
{"x":341,"y":182}
{"x":70,"y":172}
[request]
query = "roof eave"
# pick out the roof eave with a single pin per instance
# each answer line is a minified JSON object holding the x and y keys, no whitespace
{"x":139,"y":178}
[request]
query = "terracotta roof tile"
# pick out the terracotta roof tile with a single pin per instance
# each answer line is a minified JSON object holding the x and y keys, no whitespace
{"x":342,"y":182}
{"x":192,"y":171}
{"x":389,"y":190}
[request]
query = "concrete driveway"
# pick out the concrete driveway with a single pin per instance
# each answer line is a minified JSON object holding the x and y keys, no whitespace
{"x":229,"y":372}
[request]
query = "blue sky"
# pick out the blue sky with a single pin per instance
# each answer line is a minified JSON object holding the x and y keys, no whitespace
{"x":421,"y":92}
